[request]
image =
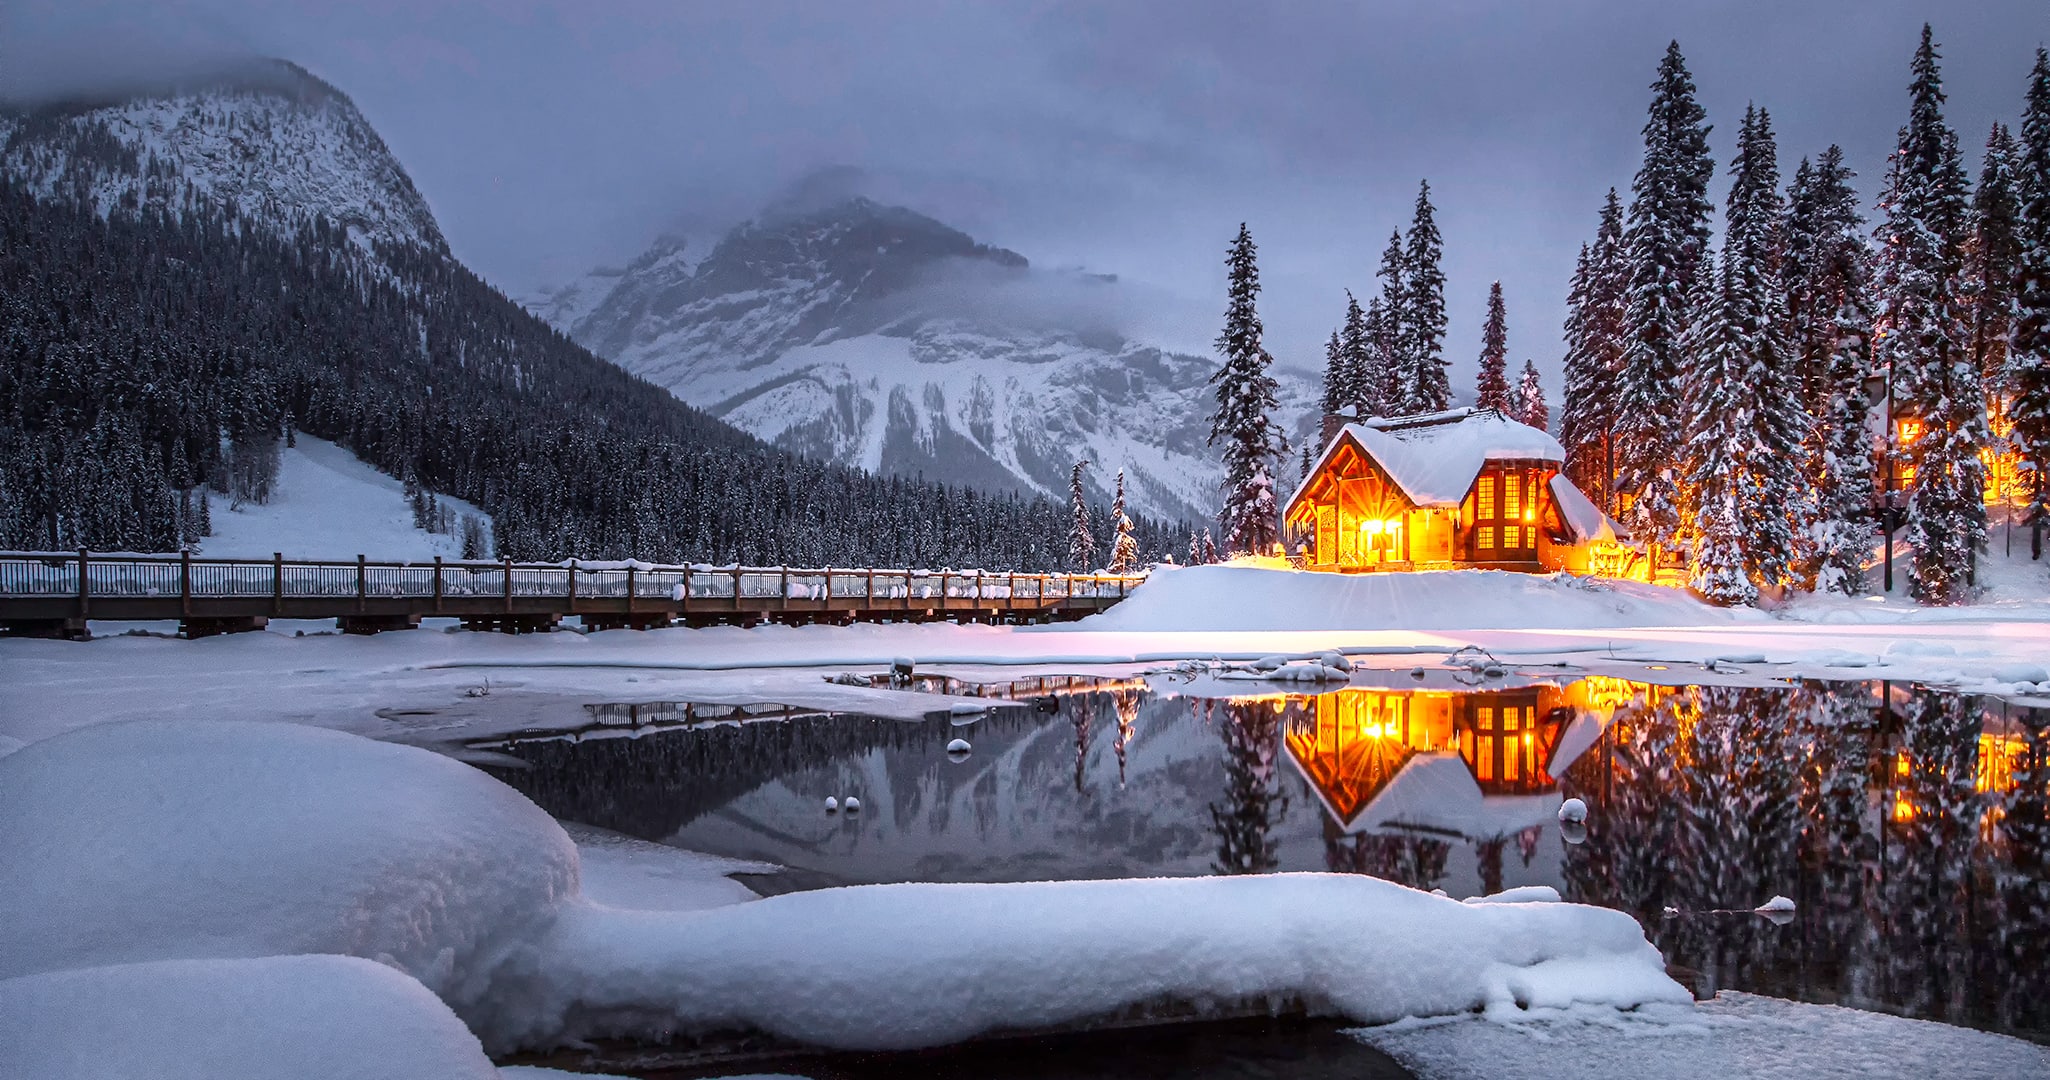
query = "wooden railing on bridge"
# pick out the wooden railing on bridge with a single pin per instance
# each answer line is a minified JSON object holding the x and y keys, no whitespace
{"x":56,"y":593}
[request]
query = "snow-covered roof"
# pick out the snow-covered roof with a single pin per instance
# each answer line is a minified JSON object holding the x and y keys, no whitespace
{"x":1581,"y":516}
{"x":1433,"y":458}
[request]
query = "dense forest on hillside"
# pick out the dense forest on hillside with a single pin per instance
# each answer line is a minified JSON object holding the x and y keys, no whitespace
{"x":146,"y":356}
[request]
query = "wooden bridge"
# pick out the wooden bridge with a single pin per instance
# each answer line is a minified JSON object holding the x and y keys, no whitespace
{"x":56,"y":594}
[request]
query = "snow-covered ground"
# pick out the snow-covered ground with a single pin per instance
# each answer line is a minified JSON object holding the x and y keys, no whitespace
{"x":1735,"y":1035}
{"x":329,"y":504}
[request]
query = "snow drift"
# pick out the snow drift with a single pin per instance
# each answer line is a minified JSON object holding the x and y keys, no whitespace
{"x":304,"y":1017}
{"x":1230,"y":597}
{"x":904,"y":966}
{"x":187,"y":839}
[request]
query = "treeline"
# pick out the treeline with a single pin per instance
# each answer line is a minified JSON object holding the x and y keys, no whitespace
{"x":1725,"y":404}
{"x":145,"y":355}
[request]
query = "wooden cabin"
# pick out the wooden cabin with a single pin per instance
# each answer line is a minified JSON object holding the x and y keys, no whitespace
{"x":1463,"y":488}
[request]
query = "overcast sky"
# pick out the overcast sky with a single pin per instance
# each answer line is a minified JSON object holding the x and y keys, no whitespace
{"x":1124,"y":136}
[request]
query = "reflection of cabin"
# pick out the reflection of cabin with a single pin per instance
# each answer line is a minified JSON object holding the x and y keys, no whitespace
{"x":1473,"y":763}
{"x":1461,"y":488}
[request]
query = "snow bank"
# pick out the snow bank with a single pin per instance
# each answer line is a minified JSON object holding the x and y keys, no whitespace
{"x":1256,"y":598}
{"x":1735,"y":1035}
{"x":219,"y":839}
{"x":330,"y":504}
{"x":903,"y":966}
{"x":620,"y":871}
{"x":304,"y":1017}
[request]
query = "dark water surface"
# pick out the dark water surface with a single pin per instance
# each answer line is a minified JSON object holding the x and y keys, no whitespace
{"x":1910,"y":826}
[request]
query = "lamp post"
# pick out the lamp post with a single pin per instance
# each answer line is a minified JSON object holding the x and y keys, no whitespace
{"x":1878,"y":390}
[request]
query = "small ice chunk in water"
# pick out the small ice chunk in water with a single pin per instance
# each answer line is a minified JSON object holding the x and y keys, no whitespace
{"x":832,"y":805}
{"x":1573,"y":810}
{"x":852,"y":804}
{"x":1777,"y":903}
{"x":968,"y":708}
{"x":958,"y":749}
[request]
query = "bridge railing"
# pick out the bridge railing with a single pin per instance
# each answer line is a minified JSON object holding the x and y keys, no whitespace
{"x":54,"y":574}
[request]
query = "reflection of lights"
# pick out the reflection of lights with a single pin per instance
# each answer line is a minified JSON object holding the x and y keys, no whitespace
{"x":1901,"y":765}
{"x":1903,"y":809}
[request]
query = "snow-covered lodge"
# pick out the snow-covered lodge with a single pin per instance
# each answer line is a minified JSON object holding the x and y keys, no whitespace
{"x":1462,"y":488}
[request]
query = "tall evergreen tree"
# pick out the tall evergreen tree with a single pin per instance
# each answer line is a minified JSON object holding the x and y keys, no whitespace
{"x":1428,"y":384}
{"x":1530,"y":399}
{"x":1828,"y":290}
{"x":1338,"y":376}
{"x":1124,"y":547}
{"x":1378,"y":372}
{"x":1926,"y":342}
{"x":1992,"y":258}
{"x":2028,"y":361}
{"x":1719,"y":409}
{"x":1081,"y":541}
{"x":1492,"y":389}
{"x":1366,"y":373}
{"x":1666,"y":238}
{"x":1778,"y":495}
{"x":1391,"y":336}
{"x":1245,"y":409}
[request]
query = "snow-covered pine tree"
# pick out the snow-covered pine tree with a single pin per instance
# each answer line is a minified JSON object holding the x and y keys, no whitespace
{"x":1366,"y":374}
{"x":1378,"y":379}
{"x":1338,"y":376}
{"x":1926,"y":341}
{"x":1777,"y":504}
{"x":1081,"y":542}
{"x":1428,"y":385}
{"x":1392,"y":329}
{"x":1491,"y":391}
{"x":2028,"y":358}
{"x":1991,"y":257}
{"x":1665,"y":239}
{"x":1124,"y":547}
{"x":1530,"y":399}
{"x":1209,"y":548}
{"x":1307,"y":462}
{"x":1195,"y":549}
{"x":1828,"y":289}
{"x":1245,"y":408}
{"x":1718,"y":438}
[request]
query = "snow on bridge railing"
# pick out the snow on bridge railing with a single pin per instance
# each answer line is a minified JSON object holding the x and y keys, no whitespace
{"x":129,"y":575}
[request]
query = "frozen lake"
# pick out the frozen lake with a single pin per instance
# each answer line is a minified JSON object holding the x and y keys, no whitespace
{"x":1892,"y":815}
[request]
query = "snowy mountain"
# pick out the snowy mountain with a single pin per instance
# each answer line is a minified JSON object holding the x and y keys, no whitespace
{"x":264,"y":136}
{"x":876,"y":336}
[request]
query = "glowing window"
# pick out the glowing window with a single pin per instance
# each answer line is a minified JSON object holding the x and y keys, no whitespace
{"x":1484,"y":495}
{"x":1530,"y":536}
{"x":1512,"y":496}
{"x":1485,"y":537}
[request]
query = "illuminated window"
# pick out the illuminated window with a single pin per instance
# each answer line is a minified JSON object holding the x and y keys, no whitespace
{"x":1484,"y":495}
{"x":1530,"y":536}
{"x":1485,"y":537}
{"x":1484,"y":763}
{"x":1512,"y":496}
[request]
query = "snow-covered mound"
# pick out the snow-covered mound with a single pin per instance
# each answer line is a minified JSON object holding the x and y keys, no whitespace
{"x":281,"y":145}
{"x":220,"y":839}
{"x":903,"y":966}
{"x":303,"y":1017}
{"x":330,"y":504}
{"x":1232,"y":597}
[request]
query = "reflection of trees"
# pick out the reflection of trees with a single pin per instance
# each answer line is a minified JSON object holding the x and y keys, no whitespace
{"x":1927,"y":854}
{"x":1908,"y":894}
{"x":1488,"y":854}
{"x":1245,"y":820}
{"x":1127,"y":704}
{"x":2023,"y":880}
{"x":1082,"y":713}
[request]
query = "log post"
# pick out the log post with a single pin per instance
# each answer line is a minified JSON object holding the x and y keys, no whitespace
{"x":437,"y":584}
{"x":508,"y":585}
{"x":84,"y":587}
{"x":362,"y":584}
{"x":783,"y":597}
{"x":943,"y":592}
{"x":686,"y":587}
{"x":736,"y":586}
{"x":572,"y":587}
{"x":185,"y":584}
{"x":829,"y":587}
{"x":868,"y":591}
{"x":629,"y":589}
{"x":277,"y":582}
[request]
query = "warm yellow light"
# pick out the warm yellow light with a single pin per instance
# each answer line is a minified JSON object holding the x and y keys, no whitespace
{"x":1529,"y":515}
{"x":1371,"y":525}
{"x":1394,"y":524}
{"x":1910,"y":429}
{"x":1901,"y":765}
{"x":1903,"y":810}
